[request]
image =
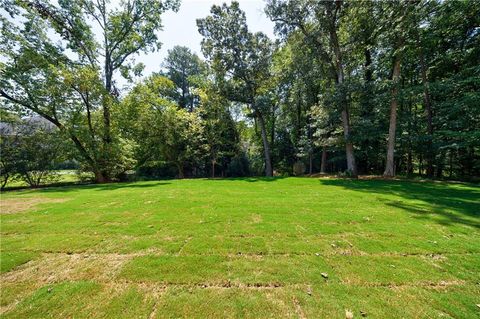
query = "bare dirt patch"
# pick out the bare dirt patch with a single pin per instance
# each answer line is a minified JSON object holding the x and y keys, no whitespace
{"x":298,"y":308}
{"x":256,"y":219}
{"x":23,"y":204}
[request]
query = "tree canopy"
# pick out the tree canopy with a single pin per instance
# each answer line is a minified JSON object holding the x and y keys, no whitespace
{"x":347,"y":87}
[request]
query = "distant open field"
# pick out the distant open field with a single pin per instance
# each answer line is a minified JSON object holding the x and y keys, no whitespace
{"x":64,"y":176}
{"x":249,"y":248}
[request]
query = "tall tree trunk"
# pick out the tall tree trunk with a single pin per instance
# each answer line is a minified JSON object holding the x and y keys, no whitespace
{"x":107,"y":138}
{"x":430,"y":156}
{"x":429,"y":115}
{"x":272,"y":133}
{"x":266,"y":146}
{"x":367,"y":105}
{"x":351,"y":163}
{"x":100,"y":177}
{"x":213,"y":168}
{"x":323,"y":166}
{"x":310,"y":168}
{"x":105,"y":101}
{"x":4,"y":181}
{"x":409,"y":142}
{"x":181,"y":175}
{"x":450,"y":173}
{"x":390,"y":164}
{"x":409,"y":162}
{"x":440,"y":164}
{"x":420,"y":165}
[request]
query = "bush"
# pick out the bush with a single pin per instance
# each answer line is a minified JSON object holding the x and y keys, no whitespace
{"x":31,"y":151}
{"x":8,"y":169}
{"x":85,"y":177}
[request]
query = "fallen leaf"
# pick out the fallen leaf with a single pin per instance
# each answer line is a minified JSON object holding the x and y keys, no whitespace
{"x":324,"y":275}
{"x":348,"y":314}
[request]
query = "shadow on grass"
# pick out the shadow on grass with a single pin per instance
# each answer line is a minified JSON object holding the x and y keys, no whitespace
{"x":248,"y":179}
{"x":443,"y":203}
{"x":98,"y":187}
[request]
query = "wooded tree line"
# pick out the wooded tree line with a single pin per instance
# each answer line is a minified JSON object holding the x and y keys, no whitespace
{"x":351,"y":87}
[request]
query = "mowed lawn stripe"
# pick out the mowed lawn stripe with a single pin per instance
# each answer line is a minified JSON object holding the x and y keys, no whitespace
{"x":262,"y":248}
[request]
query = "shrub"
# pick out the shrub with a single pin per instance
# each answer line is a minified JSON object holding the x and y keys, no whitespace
{"x":30,"y":151}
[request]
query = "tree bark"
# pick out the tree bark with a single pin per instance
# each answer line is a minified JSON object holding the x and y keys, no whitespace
{"x":100,"y":178}
{"x":409,"y":162}
{"x":351,"y":163}
{"x":181,"y":175}
{"x":266,"y":146}
{"x":108,"y":88}
{"x":390,"y":164}
{"x":4,"y":181}
{"x":450,"y":173}
{"x":272,"y":134}
{"x":420,"y":165}
{"x":429,"y":115}
{"x":323,"y":166}
{"x":310,"y":157}
{"x":366,"y":102}
{"x":440,"y":165}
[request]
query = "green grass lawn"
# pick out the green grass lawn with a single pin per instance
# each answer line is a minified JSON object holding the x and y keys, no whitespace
{"x":244,"y":248}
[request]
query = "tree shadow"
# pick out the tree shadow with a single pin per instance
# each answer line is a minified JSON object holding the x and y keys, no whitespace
{"x":97,"y":187}
{"x":444,"y":203}
{"x":114,"y":186}
{"x":248,"y":179}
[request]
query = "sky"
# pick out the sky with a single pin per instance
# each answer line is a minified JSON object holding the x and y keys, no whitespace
{"x":180,"y":28}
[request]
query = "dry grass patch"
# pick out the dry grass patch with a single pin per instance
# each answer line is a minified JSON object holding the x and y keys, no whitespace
{"x":24,"y":204}
{"x":53,"y":268}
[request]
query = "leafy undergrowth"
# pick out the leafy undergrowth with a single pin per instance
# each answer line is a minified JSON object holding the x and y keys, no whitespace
{"x":250,"y":248}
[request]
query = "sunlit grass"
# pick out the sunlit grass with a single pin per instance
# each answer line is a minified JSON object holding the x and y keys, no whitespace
{"x":292,"y":247}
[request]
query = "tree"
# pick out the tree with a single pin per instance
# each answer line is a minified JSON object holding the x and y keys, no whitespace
{"x":303,"y":82}
{"x":401,"y":18}
{"x":30,"y":150}
{"x":159,"y":129}
{"x":76,"y":92}
{"x":220,"y":133}
{"x":182,"y":138}
{"x":319,"y":22}
{"x":326,"y":129}
{"x":182,"y":66}
{"x":241,"y":61}
{"x":9,"y":141}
